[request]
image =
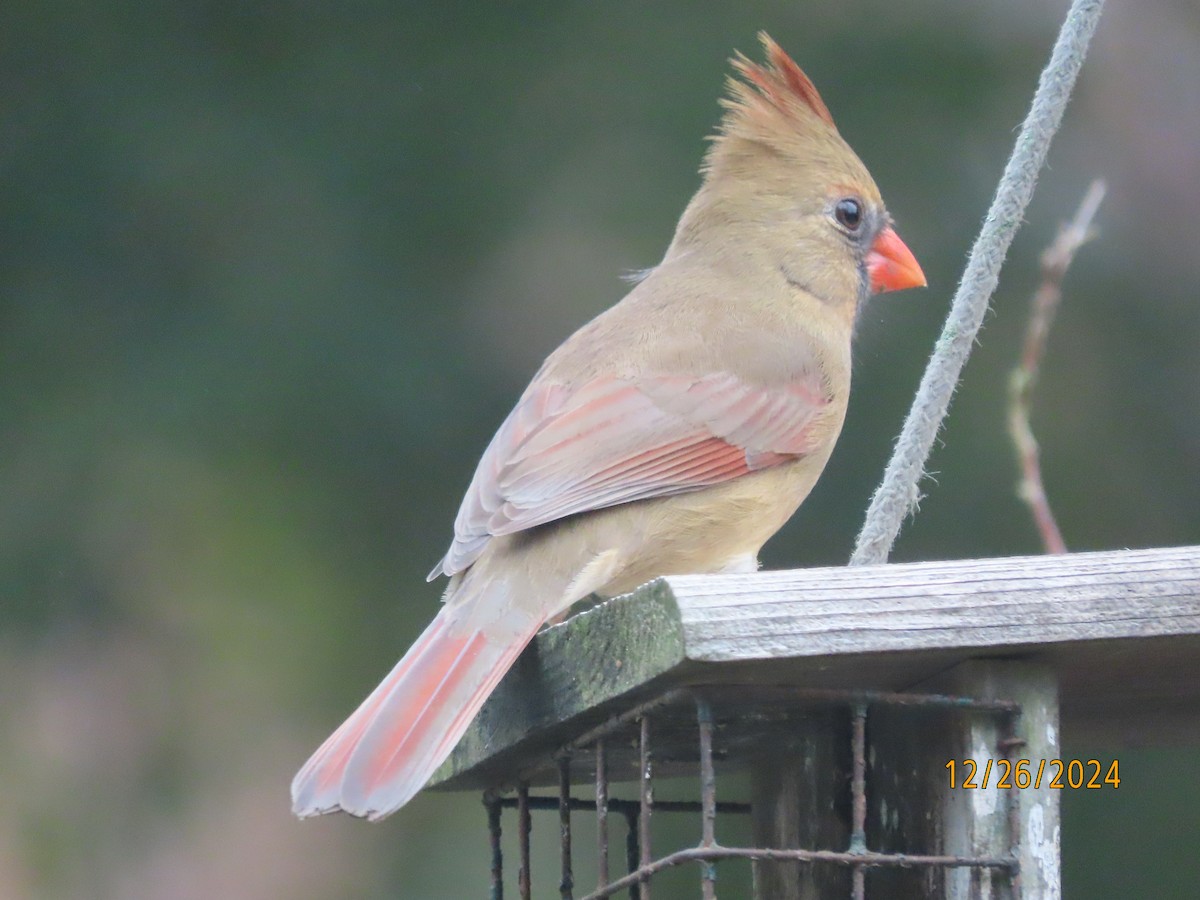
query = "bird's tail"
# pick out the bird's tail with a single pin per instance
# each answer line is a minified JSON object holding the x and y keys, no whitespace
{"x":385,"y":752}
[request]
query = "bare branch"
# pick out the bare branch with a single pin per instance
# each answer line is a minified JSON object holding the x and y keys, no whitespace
{"x":1056,"y":259}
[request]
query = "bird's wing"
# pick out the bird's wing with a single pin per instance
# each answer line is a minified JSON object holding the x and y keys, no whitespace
{"x":610,"y":440}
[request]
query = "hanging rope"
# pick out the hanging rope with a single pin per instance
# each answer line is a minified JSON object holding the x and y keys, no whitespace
{"x":899,"y":492}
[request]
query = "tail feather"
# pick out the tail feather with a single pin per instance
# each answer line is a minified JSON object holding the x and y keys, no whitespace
{"x":385,"y":752}
{"x":317,"y":786}
{"x":394,"y":739}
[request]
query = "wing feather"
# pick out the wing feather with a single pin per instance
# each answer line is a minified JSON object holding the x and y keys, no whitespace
{"x":564,"y":451}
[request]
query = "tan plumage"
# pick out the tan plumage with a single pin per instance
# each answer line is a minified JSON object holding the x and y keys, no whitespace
{"x":675,"y":433}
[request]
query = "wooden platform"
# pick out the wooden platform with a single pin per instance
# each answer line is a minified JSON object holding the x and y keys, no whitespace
{"x":1120,"y":629}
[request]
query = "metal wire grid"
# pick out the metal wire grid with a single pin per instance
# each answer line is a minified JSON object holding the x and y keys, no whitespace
{"x":639,"y":861}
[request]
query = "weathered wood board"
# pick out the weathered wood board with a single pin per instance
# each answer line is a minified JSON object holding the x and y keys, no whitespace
{"x":1119,"y":629}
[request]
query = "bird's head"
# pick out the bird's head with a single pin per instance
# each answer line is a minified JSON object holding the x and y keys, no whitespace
{"x":780,"y":182}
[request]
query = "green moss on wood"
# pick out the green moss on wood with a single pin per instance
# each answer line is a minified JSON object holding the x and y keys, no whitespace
{"x":569,"y":673}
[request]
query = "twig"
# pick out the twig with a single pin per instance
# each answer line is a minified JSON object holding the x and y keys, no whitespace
{"x":899,"y":493}
{"x":1056,"y":259}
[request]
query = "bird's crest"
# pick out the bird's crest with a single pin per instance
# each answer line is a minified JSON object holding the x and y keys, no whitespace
{"x":765,"y":92}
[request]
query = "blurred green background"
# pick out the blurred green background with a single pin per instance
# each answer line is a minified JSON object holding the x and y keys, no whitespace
{"x":272,"y":273}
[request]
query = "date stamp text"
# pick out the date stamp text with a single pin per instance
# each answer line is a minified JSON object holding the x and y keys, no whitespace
{"x":1057,"y":774}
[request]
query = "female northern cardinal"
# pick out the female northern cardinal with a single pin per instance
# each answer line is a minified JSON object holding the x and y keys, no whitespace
{"x":675,"y":433}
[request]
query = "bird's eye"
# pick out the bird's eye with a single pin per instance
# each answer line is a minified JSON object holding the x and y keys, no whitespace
{"x":849,"y":213}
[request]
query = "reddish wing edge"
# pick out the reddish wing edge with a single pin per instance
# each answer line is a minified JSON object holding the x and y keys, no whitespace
{"x":613,"y":441}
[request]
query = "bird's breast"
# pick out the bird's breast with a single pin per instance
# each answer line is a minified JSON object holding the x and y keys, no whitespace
{"x":702,"y":531}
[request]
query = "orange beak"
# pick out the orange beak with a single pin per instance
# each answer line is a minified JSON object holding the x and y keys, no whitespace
{"x":891,"y":265}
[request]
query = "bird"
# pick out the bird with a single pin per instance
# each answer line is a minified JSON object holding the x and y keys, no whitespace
{"x":675,"y":433}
